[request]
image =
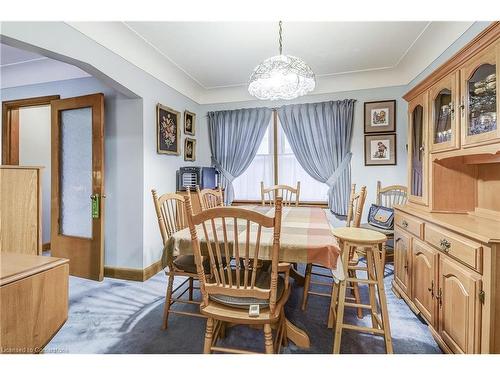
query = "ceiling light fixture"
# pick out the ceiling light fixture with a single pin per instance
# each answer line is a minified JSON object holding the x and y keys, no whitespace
{"x":281,"y":77}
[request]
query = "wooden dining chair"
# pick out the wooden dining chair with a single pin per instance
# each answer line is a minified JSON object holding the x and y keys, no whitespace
{"x":237,"y":289}
{"x":171,"y":213}
{"x":289,"y":194}
{"x":354,"y":213}
{"x":210,"y":198}
{"x":388,"y":196}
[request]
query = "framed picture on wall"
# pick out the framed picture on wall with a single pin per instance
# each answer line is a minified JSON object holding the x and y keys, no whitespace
{"x":189,"y":122}
{"x":168,"y":122}
{"x":380,"y":149}
{"x":190,"y":149}
{"x":380,"y":117}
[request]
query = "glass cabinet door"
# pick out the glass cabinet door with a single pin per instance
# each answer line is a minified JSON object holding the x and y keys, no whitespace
{"x":480,"y":102}
{"x":443,"y":119}
{"x":417,"y":152}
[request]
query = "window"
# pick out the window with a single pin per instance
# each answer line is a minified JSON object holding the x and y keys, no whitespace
{"x":247,"y":186}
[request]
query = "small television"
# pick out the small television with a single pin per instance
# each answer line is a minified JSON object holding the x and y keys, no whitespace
{"x":204,"y":177}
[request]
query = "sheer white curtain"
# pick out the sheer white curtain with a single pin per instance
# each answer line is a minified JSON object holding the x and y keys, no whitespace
{"x":247,"y":186}
{"x":290,"y":171}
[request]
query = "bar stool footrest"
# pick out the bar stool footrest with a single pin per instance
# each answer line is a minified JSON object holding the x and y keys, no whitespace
{"x":352,"y":327}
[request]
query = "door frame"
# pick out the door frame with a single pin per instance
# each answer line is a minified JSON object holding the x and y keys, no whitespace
{"x":10,"y":125}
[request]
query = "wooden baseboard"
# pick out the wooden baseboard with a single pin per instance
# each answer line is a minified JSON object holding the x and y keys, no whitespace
{"x":151,"y":270}
{"x":46,"y":246}
{"x":133,"y":274}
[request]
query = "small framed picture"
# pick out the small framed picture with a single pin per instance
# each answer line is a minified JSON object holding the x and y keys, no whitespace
{"x":380,"y":117}
{"x":168,"y":132}
{"x":189,"y":122}
{"x":380,"y":149}
{"x":190,"y":149}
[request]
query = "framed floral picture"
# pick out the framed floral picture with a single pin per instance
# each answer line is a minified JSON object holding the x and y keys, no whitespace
{"x":189,"y":122}
{"x":380,"y":117}
{"x":190,"y":149}
{"x":380,"y":149}
{"x":168,"y":122}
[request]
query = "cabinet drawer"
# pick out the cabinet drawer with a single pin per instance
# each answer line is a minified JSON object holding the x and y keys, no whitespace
{"x":410,"y":224}
{"x":462,"y":249}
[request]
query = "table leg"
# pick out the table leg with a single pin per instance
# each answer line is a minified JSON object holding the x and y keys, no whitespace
{"x":296,"y":275}
{"x":296,"y":335}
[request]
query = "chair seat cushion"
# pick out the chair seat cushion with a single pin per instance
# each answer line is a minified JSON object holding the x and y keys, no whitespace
{"x":187,"y":264}
{"x":380,"y":230}
{"x":262,"y":281}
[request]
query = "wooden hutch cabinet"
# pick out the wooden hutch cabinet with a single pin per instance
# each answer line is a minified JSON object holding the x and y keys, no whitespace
{"x":447,"y":237}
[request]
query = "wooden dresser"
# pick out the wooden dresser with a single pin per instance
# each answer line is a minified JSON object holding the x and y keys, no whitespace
{"x":34,"y":301}
{"x":447,"y":237}
{"x":20,"y":209}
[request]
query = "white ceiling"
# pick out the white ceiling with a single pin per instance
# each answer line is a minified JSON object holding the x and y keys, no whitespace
{"x":20,"y":68}
{"x":11,"y":56}
{"x":210,"y":62}
{"x":222,"y":54}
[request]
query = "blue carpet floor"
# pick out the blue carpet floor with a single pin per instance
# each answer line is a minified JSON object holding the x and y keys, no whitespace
{"x":116,"y":316}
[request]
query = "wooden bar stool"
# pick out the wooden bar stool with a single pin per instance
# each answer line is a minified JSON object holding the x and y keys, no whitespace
{"x":372,"y":244}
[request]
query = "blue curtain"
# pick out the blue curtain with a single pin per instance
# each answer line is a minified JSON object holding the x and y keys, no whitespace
{"x":320,"y":136}
{"x":235,"y":137}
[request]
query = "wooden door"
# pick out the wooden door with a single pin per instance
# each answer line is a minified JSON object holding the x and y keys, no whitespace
{"x":417,"y":152}
{"x":444,"y":116}
{"x":479,"y":98}
{"x":459,"y":306}
{"x":424,"y":280}
{"x":402,"y":261}
{"x":77,"y":227}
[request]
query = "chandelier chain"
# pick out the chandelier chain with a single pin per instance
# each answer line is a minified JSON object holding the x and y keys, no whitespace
{"x":281,"y":38}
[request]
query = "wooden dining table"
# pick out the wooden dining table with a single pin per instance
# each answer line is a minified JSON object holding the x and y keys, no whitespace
{"x":306,"y":237}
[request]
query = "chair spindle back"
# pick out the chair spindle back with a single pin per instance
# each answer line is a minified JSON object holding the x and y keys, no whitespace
{"x":391,"y":195}
{"x":289,"y":194}
{"x":233,"y":240}
{"x":210,"y":198}
{"x":171,"y":213}
{"x":356,"y":204}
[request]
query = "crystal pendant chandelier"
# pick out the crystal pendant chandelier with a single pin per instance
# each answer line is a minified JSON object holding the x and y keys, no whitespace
{"x":281,"y":77}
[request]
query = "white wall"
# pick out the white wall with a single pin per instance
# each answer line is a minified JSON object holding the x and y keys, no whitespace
{"x":34,"y":149}
{"x":361,"y":174}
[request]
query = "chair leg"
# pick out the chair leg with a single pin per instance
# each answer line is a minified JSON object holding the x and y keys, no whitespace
{"x":332,"y":315}
{"x":190,"y":288}
{"x":371,"y":287}
{"x":207,"y":348}
{"x":355,"y":291}
{"x":307,"y":283}
{"x":383,"y":259}
{"x":268,"y":338}
{"x":168,"y":298}
{"x":382,"y":299}
{"x":222,"y":332}
{"x":341,"y":300}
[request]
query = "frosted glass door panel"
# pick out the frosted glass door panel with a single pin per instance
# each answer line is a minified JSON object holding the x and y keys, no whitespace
{"x":76,"y":172}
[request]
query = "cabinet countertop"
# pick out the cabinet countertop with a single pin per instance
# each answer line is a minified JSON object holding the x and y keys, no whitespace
{"x":475,"y":227}
{"x":15,"y":266}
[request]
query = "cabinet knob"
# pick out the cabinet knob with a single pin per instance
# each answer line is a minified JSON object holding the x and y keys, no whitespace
{"x":404,"y":223}
{"x":445,"y":245}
